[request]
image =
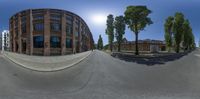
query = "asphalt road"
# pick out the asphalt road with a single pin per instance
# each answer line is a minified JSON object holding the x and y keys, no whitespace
{"x":101,"y":76}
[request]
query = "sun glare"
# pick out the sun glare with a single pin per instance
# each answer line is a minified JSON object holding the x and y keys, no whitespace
{"x":99,"y":19}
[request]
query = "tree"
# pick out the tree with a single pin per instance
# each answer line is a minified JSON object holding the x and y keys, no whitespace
{"x":136,"y":17}
{"x":178,"y":29}
{"x":110,"y":30}
{"x":120,"y":26}
{"x":169,"y":32}
{"x":191,"y":41}
{"x":100,"y":43}
{"x":187,"y":35}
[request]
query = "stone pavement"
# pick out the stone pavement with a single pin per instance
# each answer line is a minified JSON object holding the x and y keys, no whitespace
{"x":46,"y":63}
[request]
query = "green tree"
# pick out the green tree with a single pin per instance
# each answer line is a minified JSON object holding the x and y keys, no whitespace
{"x":100,"y":43}
{"x":120,"y":27}
{"x":191,"y":41}
{"x":178,"y":29}
{"x":187,"y":35}
{"x":169,"y":32}
{"x":110,"y":30}
{"x":137,"y":19}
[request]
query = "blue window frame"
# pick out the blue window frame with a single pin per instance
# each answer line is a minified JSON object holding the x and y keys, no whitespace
{"x":38,"y":41}
{"x":55,"y":42}
{"x":39,"y":27}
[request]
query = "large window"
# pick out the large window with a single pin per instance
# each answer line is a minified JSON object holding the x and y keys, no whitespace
{"x":56,"y":17}
{"x":69,"y":17}
{"x":76,"y":34}
{"x":39,"y":27}
{"x":38,"y":41}
{"x":38,"y":17}
{"x":68,"y":43}
{"x":23,"y":27}
{"x":55,"y":26}
{"x":55,"y":42}
{"x":69,"y":30}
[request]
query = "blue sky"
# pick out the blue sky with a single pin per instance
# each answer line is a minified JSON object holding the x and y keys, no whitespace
{"x":88,"y":8}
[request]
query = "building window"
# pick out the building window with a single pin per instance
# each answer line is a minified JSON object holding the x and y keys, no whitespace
{"x":23,"y":27}
{"x":69,"y":30}
{"x":55,"y":42}
{"x":38,"y":41}
{"x":55,"y":26}
{"x":55,"y":17}
{"x":76,"y":34}
{"x":23,"y":19}
{"x":69,"y":17}
{"x":38,"y":17}
{"x":39,"y":27}
{"x":68,"y":43}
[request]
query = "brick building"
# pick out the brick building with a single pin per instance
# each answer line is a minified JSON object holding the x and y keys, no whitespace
{"x":49,"y":32}
{"x":143,"y":45}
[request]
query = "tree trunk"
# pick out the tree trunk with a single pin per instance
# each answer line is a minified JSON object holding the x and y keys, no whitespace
{"x":119,"y":46}
{"x":136,"y":44}
{"x":177,"y":48}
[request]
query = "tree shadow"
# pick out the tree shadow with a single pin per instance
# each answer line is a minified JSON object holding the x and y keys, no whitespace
{"x":150,"y":60}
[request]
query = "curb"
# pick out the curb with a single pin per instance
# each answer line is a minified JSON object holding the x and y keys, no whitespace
{"x":46,"y":70}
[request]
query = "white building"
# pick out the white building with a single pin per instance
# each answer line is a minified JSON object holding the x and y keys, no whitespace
{"x":5,"y":40}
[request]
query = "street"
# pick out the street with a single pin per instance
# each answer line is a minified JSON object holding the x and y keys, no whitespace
{"x":100,"y":76}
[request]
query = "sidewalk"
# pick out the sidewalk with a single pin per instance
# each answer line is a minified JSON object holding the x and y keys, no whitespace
{"x":149,"y":59}
{"x":46,"y":63}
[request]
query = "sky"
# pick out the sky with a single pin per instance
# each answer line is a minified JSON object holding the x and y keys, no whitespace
{"x":94,"y":12}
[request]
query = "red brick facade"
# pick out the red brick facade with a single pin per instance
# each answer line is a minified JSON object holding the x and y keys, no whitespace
{"x":143,"y":45}
{"x":60,"y":32}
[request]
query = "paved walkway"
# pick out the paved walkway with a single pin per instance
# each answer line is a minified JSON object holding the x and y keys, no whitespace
{"x":46,"y":63}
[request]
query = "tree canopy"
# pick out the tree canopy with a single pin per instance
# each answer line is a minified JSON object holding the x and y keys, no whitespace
{"x":136,"y":17}
{"x":120,"y":27}
{"x":169,"y":32}
{"x":110,"y":30}
{"x":100,"y":43}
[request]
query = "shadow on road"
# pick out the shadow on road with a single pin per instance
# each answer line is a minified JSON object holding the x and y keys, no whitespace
{"x":150,"y":60}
